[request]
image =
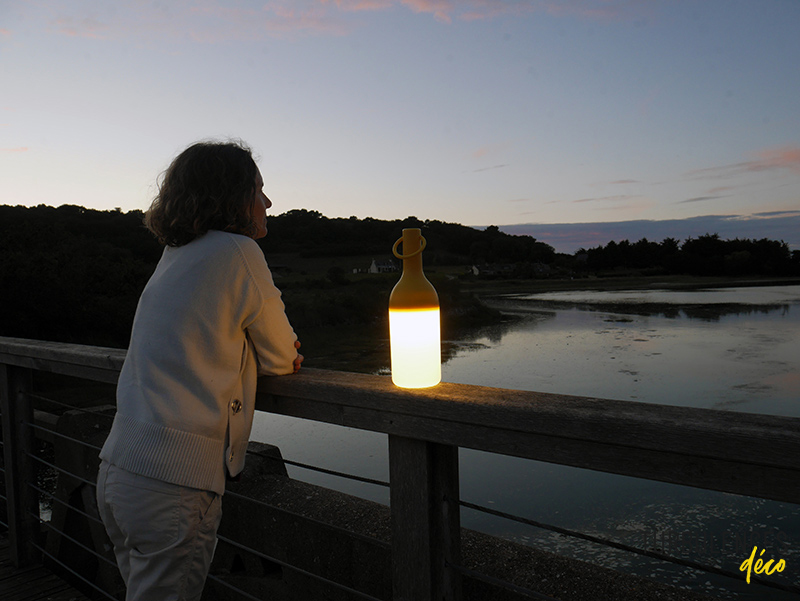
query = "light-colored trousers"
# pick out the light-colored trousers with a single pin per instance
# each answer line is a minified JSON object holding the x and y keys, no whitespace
{"x":163,"y":534}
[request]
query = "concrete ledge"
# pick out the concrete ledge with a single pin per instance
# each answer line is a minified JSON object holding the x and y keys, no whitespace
{"x":305,"y":524}
{"x":324,"y":532}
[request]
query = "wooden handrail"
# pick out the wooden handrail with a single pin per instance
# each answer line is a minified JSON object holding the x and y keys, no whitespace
{"x":91,"y":362}
{"x":749,"y":454}
{"x":744,"y":453}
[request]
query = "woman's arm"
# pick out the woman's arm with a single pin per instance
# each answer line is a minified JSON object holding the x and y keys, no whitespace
{"x":274,"y":339}
{"x":267,"y":326}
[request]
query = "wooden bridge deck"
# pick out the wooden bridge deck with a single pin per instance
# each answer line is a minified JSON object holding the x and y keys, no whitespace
{"x":31,"y":584}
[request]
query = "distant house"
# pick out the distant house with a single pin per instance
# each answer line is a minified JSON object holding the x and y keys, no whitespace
{"x":492,"y":270}
{"x":382,"y":267}
{"x":541,"y":269}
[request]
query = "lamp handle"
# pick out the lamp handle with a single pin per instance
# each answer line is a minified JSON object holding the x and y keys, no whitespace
{"x":415,"y":253}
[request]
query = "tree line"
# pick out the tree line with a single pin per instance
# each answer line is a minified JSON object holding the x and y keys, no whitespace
{"x":75,"y":274}
{"x":310,"y":234}
{"x":706,"y":255}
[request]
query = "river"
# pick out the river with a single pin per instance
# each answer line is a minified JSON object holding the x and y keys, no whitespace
{"x":733,"y":349}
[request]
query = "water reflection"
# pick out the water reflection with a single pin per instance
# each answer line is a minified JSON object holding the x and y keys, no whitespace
{"x":486,"y":337}
{"x":766,"y":295}
{"x":671,"y":310}
{"x":734,"y":350}
{"x":717,"y":349}
{"x":674,"y":349}
{"x":704,"y":526}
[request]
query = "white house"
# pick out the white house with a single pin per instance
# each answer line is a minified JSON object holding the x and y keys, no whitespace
{"x":382,"y":266}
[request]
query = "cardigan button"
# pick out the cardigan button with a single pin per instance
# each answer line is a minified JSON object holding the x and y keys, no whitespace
{"x":236,"y":406}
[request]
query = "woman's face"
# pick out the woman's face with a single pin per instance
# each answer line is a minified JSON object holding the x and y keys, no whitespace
{"x":259,"y":207}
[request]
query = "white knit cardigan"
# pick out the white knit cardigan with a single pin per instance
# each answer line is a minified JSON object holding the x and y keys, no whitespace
{"x":209,"y":321}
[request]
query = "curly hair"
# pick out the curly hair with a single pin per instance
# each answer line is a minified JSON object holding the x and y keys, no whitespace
{"x":209,"y":186}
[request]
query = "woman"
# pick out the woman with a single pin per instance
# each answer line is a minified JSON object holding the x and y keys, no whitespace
{"x":209,"y":321}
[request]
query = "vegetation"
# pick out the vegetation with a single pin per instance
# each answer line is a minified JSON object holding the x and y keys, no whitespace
{"x":74,"y":274}
{"x":706,"y":255}
{"x":311,"y":234}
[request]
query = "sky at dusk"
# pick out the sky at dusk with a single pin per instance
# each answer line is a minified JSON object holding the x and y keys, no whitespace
{"x":533,"y":114}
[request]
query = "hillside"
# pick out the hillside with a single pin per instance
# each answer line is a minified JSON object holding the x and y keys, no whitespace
{"x":75,"y":274}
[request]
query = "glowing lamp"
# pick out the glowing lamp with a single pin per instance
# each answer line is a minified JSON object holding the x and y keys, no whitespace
{"x":414,"y":319}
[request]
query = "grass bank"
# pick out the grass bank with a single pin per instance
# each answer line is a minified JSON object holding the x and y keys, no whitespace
{"x":483,"y":288}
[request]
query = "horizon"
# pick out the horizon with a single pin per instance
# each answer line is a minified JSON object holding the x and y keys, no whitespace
{"x":568,"y":238}
{"x":478,"y":112}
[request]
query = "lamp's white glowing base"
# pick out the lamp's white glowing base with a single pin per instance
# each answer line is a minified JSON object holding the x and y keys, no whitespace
{"x":416,"y":347}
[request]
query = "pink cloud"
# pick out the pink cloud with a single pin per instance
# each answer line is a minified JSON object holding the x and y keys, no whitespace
{"x":5,"y":31}
{"x":282,"y":19}
{"x":491,"y":149}
{"x":84,"y":28}
{"x":783,"y":157}
{"x":440,"y":9}
{"x":208,"y":20}
{"x":359,"y":5}
{"x":488,"y":9}
{"x":587,"y":9}
{"x":274,"y":18}
{"x":597,"y":10}
{"x":473,"y":10}
{"x":216,"y":20}
{"x":18,"y":149}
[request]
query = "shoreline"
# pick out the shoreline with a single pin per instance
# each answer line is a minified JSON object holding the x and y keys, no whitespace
{"x":491,"y":288}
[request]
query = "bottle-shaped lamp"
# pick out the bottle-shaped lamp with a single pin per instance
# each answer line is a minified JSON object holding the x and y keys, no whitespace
{"x":414,"y":319}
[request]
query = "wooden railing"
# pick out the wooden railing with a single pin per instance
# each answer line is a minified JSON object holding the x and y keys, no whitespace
{"x":748,"y":454}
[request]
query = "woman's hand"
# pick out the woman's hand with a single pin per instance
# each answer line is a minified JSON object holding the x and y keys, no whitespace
{"x":299,"y":359}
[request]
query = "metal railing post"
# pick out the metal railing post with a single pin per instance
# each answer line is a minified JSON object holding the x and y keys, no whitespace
{"x":425,"y":521}
{"x":22,"y":501}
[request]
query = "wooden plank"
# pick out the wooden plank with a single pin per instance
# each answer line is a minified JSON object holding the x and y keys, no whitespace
{"x":750,"y":454}
{"x":74,"y":354}
{"x":37,"y":585}
{"x":21,"y":500}
{"x":749,"y":438}
{"x":425,"y":520}
{"x":32,"y":583}
{"x":90,"y":362}
{"x":109,"y":375}
{"x":778,"y":483}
